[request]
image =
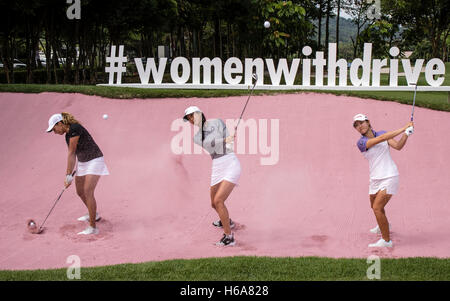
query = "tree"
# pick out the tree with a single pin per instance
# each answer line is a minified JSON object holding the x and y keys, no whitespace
{"x":329,"y":13}
{"x":357,"y":9}
{"x":423,"y":19}
{"x":379,"y":34}
{"x":320,"y":12}
{"x":337,"y":26}
{"x":8,"y":30}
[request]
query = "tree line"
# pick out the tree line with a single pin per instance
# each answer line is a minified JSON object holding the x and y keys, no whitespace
{"x":75,"y":50}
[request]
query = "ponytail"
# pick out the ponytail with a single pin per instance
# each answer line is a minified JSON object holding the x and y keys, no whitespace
{"x":68,"y":119}
{"x":203,"y":123}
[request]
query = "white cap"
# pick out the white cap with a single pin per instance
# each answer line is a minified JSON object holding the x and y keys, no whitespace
{"x":360,"y":117}
{"x":54,"y":120}
{"x":190,"y":110}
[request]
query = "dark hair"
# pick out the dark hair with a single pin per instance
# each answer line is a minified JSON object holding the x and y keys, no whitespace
{"x":203,"y":123}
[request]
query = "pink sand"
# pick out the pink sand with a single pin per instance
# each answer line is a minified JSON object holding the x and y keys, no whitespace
{"x":155,"y":204}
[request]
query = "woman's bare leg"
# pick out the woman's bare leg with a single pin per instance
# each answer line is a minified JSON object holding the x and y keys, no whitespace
{"x":220,"y":196}
{"x":381,"y":199}
{"x":372,"y":199}
{"x":89,"y":188}
{"x":213,"y":191}
{"x":79,"y":184}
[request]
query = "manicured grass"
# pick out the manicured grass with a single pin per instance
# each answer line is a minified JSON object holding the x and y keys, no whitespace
{"x":253,"y":269}
{"x":431,"y":100}
{"x":122,"y":92}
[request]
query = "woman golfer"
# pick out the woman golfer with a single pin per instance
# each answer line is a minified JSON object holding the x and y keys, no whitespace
{"x":90,"y":166}
{"x":213,"y":136}
{"x":384,"y":174}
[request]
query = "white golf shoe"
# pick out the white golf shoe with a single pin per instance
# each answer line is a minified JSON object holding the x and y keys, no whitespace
{"x":85,"y":218}
{"x":377,"y":230}
{"x":218,"y":224}
{"x":89,"y":230}
{"x":381,"y":243}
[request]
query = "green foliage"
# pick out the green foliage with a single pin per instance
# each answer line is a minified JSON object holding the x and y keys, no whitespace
{"x":421,"y":22}
{"x":379,"y":34}
{"x":286,"y":19}
{"x":203,"y":28}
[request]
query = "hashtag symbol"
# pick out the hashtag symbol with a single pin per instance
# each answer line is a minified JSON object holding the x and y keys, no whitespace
{"x":115,"y":64}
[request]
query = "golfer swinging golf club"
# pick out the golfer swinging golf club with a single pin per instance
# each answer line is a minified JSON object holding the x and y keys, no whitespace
{"x":384,"y":176}
{"x":90,"y":166}
{"x":213,"y":136}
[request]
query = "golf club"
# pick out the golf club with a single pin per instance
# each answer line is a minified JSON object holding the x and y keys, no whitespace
{"x":414,"y":101}
{"x":255,"y":77}
{"x":32,"y":225}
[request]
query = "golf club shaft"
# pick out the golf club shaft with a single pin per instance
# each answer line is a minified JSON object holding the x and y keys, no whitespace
{"x":414,"y":103}
{"x":73,"y":173}
{"x":52,"y":209}
{"x":251,"y":92}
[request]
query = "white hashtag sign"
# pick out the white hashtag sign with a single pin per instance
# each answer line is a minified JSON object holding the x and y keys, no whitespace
{"x":115,"y":65}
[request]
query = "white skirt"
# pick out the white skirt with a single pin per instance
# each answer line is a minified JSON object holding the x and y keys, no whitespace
{"x":226,"y":168}
{"x":96,"y":166}
{"x":390,"y":184}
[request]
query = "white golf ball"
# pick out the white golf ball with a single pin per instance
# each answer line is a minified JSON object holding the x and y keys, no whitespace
{"x":105,"y":116}
{"x":267,"y":24}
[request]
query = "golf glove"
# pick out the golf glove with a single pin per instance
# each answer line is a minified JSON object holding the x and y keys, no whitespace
{"x":69,"y":179}
{"x":409,"y":131}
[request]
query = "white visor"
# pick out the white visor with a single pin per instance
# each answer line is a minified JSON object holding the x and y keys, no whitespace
{"x":54,"y":120}
{"x":360,"y":117}
{"x":190,"y":110}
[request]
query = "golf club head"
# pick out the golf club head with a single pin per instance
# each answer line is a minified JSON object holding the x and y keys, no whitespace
{"x":33,"y":227}
{"x":255,"y":77}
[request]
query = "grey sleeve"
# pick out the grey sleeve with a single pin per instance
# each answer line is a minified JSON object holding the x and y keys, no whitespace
{"x":214,"y":142}
{"x":198,"y":138}
{"x":222,"y":132}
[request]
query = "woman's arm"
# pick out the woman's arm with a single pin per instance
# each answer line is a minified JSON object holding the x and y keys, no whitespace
{"x":398,"y":145}
{"x":71,"y":157}
{"x":386,"y":136}
{"x":226,"y":137}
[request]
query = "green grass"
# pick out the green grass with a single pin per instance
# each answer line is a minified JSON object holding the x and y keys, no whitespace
{"x":252,"y":269}
{"x":124,"y":93}
{"x":431,"y":100}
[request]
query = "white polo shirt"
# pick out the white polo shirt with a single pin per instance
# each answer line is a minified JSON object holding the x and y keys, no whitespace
{"x":381,"y":165}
